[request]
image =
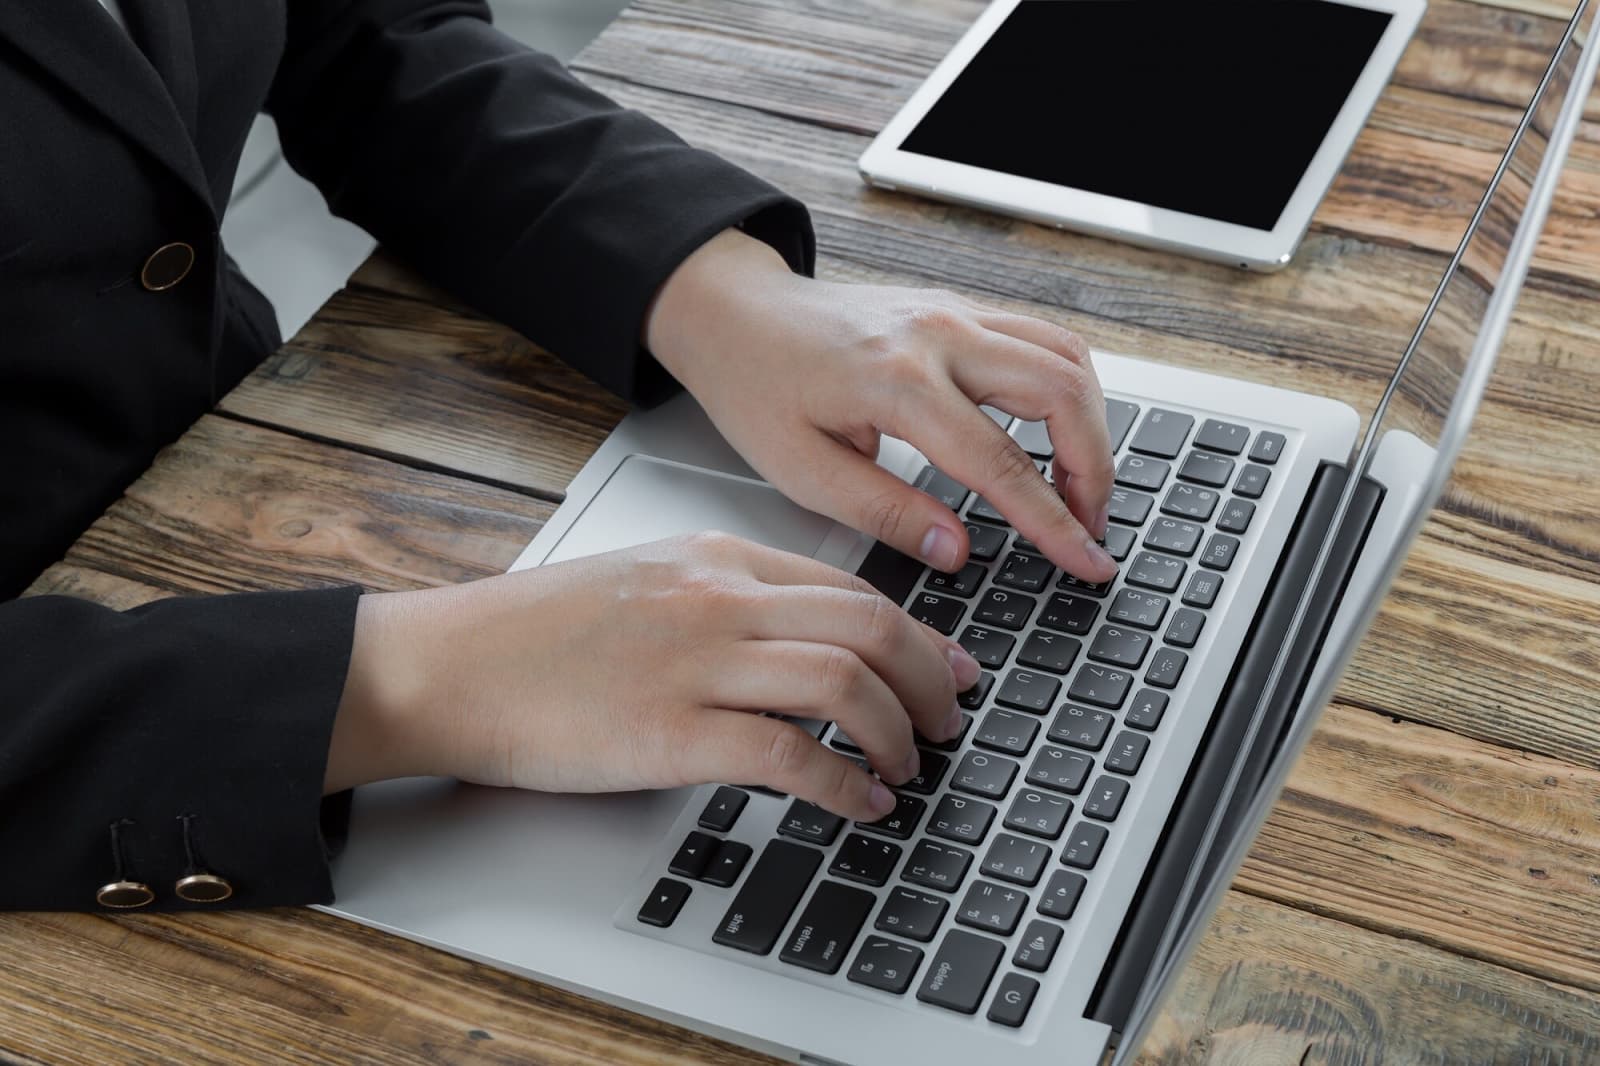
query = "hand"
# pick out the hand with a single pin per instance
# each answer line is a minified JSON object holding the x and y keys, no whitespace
{"x":647,"y":668}
{"x":803,"y":377}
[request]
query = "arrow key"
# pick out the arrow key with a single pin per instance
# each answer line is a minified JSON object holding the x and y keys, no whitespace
{"x":661,"y":907}
{"x":693,"y":855}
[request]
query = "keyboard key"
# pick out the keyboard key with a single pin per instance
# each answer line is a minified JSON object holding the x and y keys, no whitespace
{"x":1159,"y":572}
{"x":1142,"y":609}
{"x":993,"y":907}
{"x":1174,"y":535}
{"x":1184,"y":629}
{"x":1060,"y":769}
{"x":1033,"y":437}
{"x":984,"y":775}
{"x":1071,"y":583}
{"x":963,"y":582}
{"x":961,"y":971}
{"x":1007,"y":731}
{"x":1219,"y":436}
{"x":1024,"y":572}
{"x":984,"y":542}
{"x":1213,"y":470}
{"x":1252,"y":482}
{"x":966,"y":723}
{"x":1069,"y":614}
{"x":1267,"y":448}
{"x":1119,"y":541}
{"x":1038,"y":813}
{"x":827,"y":927}
{"x":984,"y":511}
{"x":1137,"y":472}
{"x":971,"y":700}
{"x":1049,"y":651}
{"x":936,"y":612}
{"x":942,"y":487}
{"x":1121,"y":647}
{"x":936,"y":866}
{"x":1037,"y":946}
{"x":693,"y":855}
{"x":727,"y":863}
{"x":1119,"y":419}
{"x":1008,"y":610}
{"x":1028,"y":691}
{"x":1061,"y":894}
{"x":890,"y":572}
{"x":1202,"y":590}
{"x":1104,"y":801}
{"x":1100,"y":685}
{"x":966,"y":821}
{"x":863,"y":859}
{"x":911,"y":914}
{"x":1219,"y":553}
{"x":1146,"y":710}
{"x":1127,"y":753}
{"x":662,"y":905}
{"x":1236,"y":515}
{"x":901,"y":822}
{"x":1166,"y":667}
{"x":1129,"y":507}
{"x":989,"y":646}
{"x":1012,"y":1001}
{"x":723,"y":808}
{"x":929,"y":775}
{"x":1083,"y":844}
{"x":885,"y":965}
{"x":1162,"y":434}
{"x":1190,"y":501}
{"x":808,"y":822}
{"x":1080,"y":727}
{"x":1016,"y":859}
{"x":762,"y":907}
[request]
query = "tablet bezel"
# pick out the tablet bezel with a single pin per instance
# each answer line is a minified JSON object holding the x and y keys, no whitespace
{"x":886,"y":166}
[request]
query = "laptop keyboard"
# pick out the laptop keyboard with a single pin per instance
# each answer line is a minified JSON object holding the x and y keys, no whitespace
{"x":962,"y":894}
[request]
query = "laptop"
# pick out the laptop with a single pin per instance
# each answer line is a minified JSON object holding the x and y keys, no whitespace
{"x":1043,"y":880}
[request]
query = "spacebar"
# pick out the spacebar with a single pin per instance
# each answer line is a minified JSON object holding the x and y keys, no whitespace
{"x":769,"y":896}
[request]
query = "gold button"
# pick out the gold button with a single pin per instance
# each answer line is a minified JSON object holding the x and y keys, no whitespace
{"x":203,"y":888}
{"x":124,"y":895}
{"x":167,"y":266}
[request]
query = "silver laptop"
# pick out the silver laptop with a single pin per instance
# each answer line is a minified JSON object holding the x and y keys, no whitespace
{"x":1043,"y":879}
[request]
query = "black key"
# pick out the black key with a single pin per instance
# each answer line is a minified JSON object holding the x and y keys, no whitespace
{"x":984,"y":511}
{"x":1049,"y":651}
{"x":1129,"y":507}
{"x":890,"y":572}
{"x":1162,"y":433}
{"x":1061,"y":894}
{"x":961,"y":971}
{"x":808,"y":822}
{"x":1127,"y":753}
{"x":1037,"y":947}
{"x":1073,"y":583}
{"x":966,"y":821}
{"x":1038,"y":813}
{"x":770,"y":894}
{"x":885,"y":965}
{"x":1202,"y":590}
{"x":1104,"y":800}
{"x":937,"y":612}
{"x":1060,"y":769}
{"x":928,"y":777}
{"x":1213,"y":470}
{"x":827,"y":927}
{"x":1011,"y":1003}
{"x":1173,"y":535}
{"x":1166,"y":667}
{"x":1146,"y":710}
{"x":1028,"y":691}
{"x":966,"y":722}
{"x":723,"y":808}
{"x":1219,"y":553}
{"x":866,"y":860}
{"x":1080,"y":727}
{"x":963,"y":582}
{"x":989,"y":646}
{"x":1267,"y":448}
{"x":1023,"y":544}
{"x":1027,"y":573}
{"x":1219,"y":436}
{"x":1016,"y":859}
{"x":1083,"y":844}
{"x":1008,"y":610}
{"x":1142,"y":609}
{"x":727,"y":863}
{"x":1137,"y":472}
{"x":984,"y":542}
{"x":901,"y":822}
{"x":942,"y":487}
{"x":1236,"y":515}
{"x":661,"y":907}
{"x":993,"y":907}
{"x":1033,"y":438}
{"x":693,"y":855}
{"x":1159,"y":572}
{"x":1007,"y":731}
{"x":1121,"y":647}
{"x":1252,"y":482}
{"x":1184,"y":629}
{"x":984,"y":775}
{"x":971,"y":699}
{"x":913,"y":914}
{"x":1119,"y":541}
{"x":1069,"y":614}
{"x":1190,"y":501}
{"x":1119,"y":419}
{"x":936,"y":866}
{"x":1100,"y":685}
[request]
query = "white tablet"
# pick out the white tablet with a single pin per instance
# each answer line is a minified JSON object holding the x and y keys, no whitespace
{"x":1208,"y":127}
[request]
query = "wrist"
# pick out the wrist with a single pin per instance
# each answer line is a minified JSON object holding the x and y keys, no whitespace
{"x":380,"y":726}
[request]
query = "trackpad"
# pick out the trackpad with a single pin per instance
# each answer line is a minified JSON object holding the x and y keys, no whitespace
{"x":649,"y":499}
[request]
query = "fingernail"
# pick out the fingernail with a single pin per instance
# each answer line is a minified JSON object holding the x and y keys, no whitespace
{"x":1098,"y":555}
{"x":963,"y":667}
{"x":952,"y":725}
{"x":913,"y":765}
{"x":939,"y":547}
{"x":880,"y":799}
{"x":1101,"y":522}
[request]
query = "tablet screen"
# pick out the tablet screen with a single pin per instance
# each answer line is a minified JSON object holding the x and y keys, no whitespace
{"x":1213,"y":109}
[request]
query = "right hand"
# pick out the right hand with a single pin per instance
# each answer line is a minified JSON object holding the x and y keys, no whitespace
{"x":647,"y":668}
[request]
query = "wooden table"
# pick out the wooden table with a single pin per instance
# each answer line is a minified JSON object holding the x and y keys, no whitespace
{"x":1429,"y":887}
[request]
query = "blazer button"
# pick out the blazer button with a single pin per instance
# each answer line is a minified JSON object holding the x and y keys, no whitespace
{"x":124,"y":895}
{"x":203,"y":888}
{"x":167,"y":266}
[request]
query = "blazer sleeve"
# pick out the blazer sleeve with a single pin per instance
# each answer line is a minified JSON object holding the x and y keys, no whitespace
{"x":494,"y":172}
{"x":211,"y":715}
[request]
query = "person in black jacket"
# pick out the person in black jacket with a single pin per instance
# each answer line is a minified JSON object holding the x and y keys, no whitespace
{"x":179,"y":754}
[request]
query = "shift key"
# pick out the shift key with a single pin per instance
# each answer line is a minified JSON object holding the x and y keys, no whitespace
{"x":960,"y":973}
{"x":770,"y":894}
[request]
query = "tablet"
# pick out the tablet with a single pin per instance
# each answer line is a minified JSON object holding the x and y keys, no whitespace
{"x":1203,"y":127}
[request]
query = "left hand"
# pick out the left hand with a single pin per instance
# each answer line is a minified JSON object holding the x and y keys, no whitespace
{"x":803,"y":377}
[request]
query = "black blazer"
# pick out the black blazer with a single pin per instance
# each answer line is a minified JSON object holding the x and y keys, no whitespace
{"x":484,"y":164}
